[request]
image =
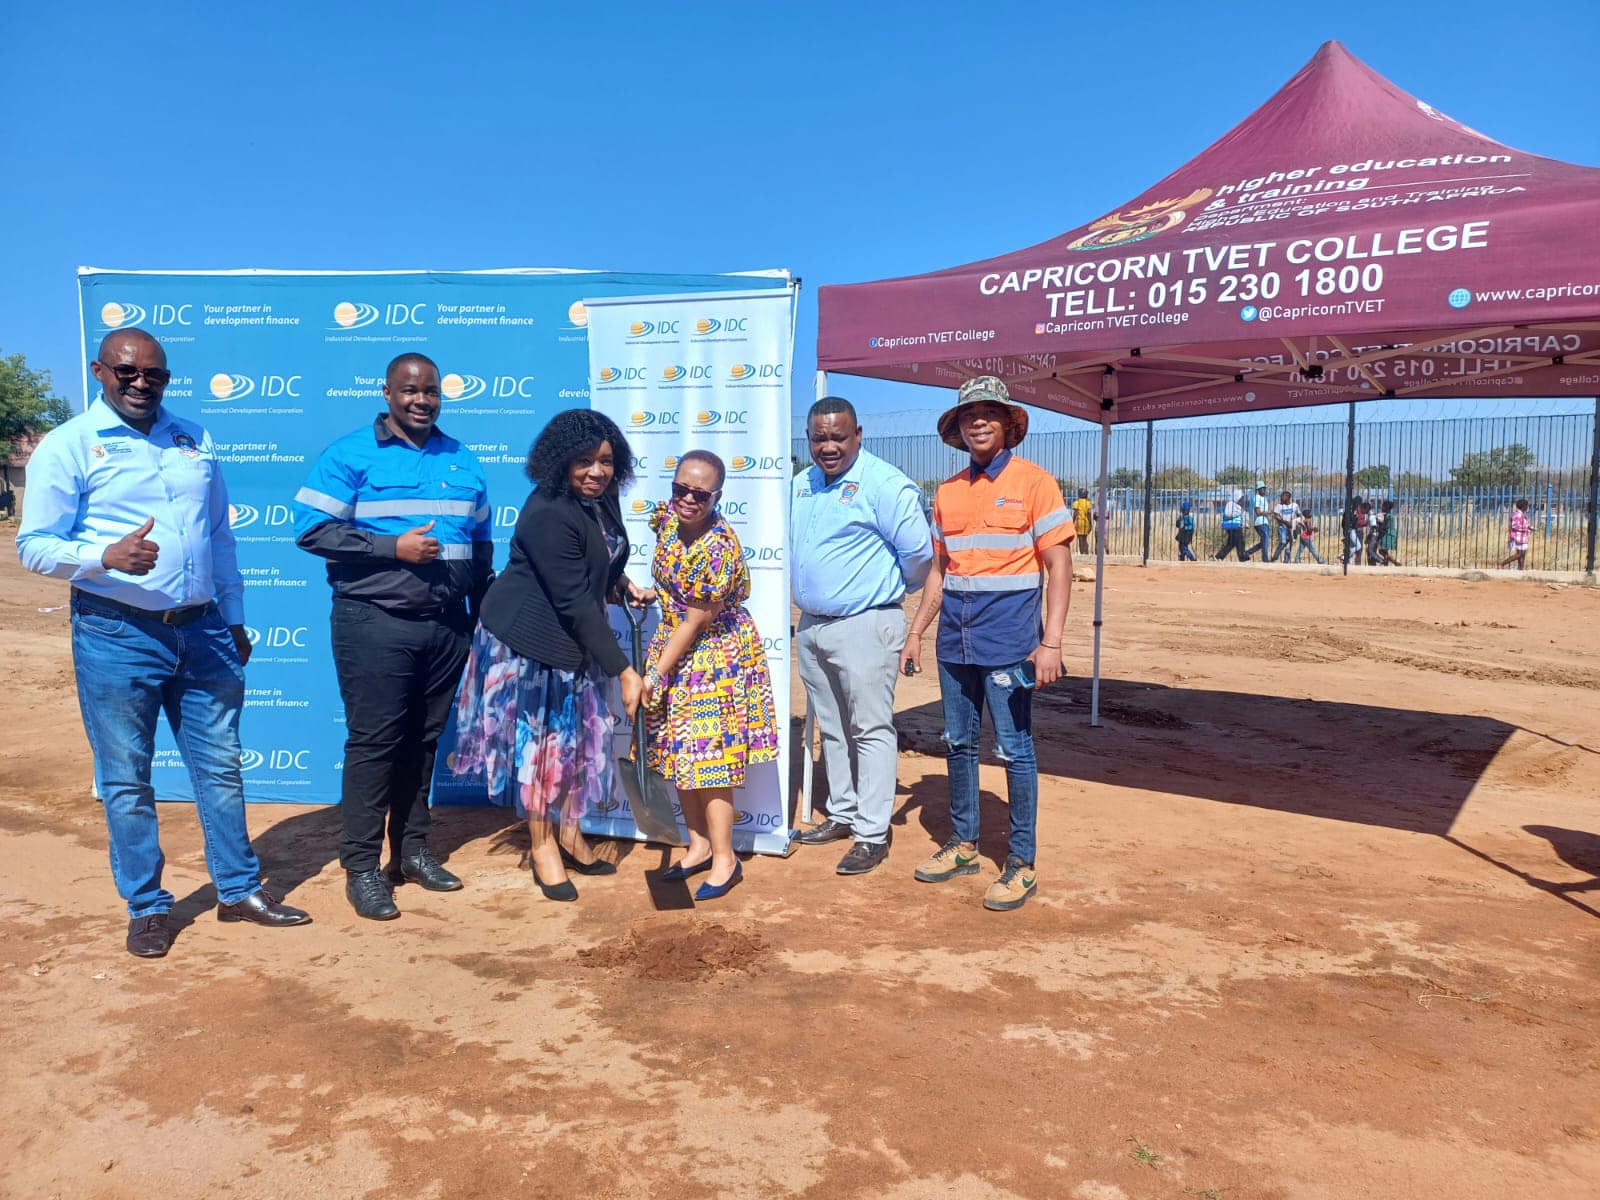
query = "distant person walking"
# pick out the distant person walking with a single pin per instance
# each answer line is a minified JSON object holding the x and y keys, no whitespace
{"x":1286,"y":519}
{"x":1308,"y":537}
{"x":1518,"y":535}
{"x":1261,"y":520}
{"x":1387,"y":539}
{"x":1185,"y":526}
{"x":1348,"y":527}
{"x":1083,"y":522}
{"x":1233,"y":529}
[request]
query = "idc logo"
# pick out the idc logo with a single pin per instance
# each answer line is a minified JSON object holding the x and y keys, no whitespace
{"x":577,"y":315}
{"x":506,"y":516}
{"x":639,"y":507}
{"x":242,"y":516}
{"x":280,"y":759}
{"x":227,"y":386}
{"x":744,"y":464}
{"x":611,"y":375}
{"x":455,"y":387}
{"x":774,"y":646}
{"x":735,"y":508}
{"x":277,"y":637}
{"x":644,"y":420}
{"x":770,"y":555}
{"x":115,"y":315}
{"x":750,"y":372}
{"x":670,"y":463}
{"x":507,"y":386}
{"x":710,"y":420}
{"x":672,"y":374}
{"x":740,"y":372}
{"x":354,"y":315}
{"x":639,"y":329}
{"x":706,"y":326}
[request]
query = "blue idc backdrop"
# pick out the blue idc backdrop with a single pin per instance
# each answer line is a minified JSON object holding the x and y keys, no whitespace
{"x":277,"y":367}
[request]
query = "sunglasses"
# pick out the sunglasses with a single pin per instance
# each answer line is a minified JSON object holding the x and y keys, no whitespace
{"x":154,"y":376}
{"x":682,"y":491}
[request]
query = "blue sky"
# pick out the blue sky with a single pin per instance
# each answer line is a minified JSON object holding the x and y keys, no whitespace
{"x":843,"y":141}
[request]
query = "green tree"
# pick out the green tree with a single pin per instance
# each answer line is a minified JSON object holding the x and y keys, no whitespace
{"x":1413,"y":481}
{"x":1179,"y":479}
{"x":1502,"y":467}
{"x":1373,"y":477}
{"x":28,"y":407}
{"x":1125,"y":477}
{"x":1236,"y":476}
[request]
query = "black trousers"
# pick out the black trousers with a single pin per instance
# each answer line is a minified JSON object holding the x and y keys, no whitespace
{"x":398,"y":677}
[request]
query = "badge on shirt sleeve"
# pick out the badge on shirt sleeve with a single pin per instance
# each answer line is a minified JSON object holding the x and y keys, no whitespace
{"x":185,"y":445}
{"x":848,"y":492}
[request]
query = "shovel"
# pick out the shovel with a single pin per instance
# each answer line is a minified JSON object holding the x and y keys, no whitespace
{"x":649,"y":794}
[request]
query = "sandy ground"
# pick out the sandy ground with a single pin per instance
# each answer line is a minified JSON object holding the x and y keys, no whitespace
{"x":1319,"y":918}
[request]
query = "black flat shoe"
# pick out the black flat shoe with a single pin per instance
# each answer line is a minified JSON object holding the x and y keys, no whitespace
{"x":598,"y":867}
{"x":563,"y":891}
{"x":261,"y":908}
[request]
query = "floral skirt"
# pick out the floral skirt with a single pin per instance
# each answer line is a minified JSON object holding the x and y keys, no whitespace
{"x":540,"y":737}
{"x":715,"y":714}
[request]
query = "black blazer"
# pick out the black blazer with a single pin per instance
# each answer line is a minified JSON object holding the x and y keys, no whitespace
{"x":549,"y":604}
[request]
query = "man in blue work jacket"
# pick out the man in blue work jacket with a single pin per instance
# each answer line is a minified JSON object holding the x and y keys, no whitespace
{"x":126,"y":502}
{"x":401,"y":513}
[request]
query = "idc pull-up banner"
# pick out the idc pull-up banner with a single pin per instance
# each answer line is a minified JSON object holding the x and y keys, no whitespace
{"x":708,"y":372}
{"x":278,"y":365}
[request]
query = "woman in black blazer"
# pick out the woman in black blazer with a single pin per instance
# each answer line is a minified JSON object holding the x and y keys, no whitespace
{"x":532,"y":716}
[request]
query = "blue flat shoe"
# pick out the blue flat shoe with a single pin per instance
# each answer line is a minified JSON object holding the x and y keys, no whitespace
{"x":677,"y":871}
{"x":715,"y":891}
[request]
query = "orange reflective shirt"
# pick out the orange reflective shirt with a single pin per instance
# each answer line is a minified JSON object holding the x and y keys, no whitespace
{"x":991,"y":527}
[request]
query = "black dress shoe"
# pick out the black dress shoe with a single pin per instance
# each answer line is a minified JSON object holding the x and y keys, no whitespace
{"x":563,"y":891}
{"x":422,"y":867}
{"x":259,"y":908}
{"x":861,"y":858}
{"x":829,"y":831}
{"x":149,"y":937}
{"x":598,"y":867}
{"x":370,"y":895}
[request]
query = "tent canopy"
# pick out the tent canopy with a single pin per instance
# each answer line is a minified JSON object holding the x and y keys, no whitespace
{"x":1346,"y":241}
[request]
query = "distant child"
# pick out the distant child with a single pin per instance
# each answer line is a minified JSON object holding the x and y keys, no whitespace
{"x":1308,"y":537}
{"x":1185,"y":533}
{"x":1364,"y":530}
{"x":1517,"y":536}
{"x":1388,"y":535}
{"x":1083,"y":518}
{"x":1347,"y":525}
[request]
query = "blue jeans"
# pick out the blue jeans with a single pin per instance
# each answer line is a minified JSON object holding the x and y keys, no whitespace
{"x":1306,"y":546}
{"x":1280,"y":542}
{"x":130,"y":670}
{"x":965,"y":690}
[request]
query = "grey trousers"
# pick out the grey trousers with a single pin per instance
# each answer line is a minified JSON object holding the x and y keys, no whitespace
{"x":849,"y":666}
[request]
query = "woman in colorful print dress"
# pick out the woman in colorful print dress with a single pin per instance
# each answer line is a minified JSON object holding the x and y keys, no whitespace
{"x":707,"y":692}
{"x":532,"y":715}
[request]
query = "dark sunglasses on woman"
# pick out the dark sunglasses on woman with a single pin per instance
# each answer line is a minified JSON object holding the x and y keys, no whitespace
{"x":682,"y":491}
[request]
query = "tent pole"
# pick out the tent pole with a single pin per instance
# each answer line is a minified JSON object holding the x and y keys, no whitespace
{"x":1149,"y":458}
{"x":1099,"y":526}
{"x":1594,"y":491}
{"x":808,"y":730}
{"x":1349,"y":481}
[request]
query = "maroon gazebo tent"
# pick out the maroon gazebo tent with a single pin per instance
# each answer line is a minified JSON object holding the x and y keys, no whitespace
{"x":1344,"y":242}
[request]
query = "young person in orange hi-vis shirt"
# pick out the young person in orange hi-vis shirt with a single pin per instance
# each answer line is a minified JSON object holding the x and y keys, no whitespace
{"x":1001,"y":530}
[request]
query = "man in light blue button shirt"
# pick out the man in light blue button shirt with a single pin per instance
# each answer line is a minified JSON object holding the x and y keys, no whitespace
{"x":127,"y":503}
{"x":858,"y":541}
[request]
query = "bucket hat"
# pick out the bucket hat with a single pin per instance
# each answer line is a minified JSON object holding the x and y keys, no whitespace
{"x":985,"y":389}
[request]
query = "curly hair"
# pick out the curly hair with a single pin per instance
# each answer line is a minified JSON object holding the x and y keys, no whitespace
{"x":568,"y":435}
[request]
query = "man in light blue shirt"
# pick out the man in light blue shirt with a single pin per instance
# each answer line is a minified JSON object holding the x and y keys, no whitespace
{"x":126,"y":502}
{"x":858,"y":541}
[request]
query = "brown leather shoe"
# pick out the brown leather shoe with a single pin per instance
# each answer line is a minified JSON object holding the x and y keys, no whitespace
{"x":150,"y":937}
{"x":259,"y":908}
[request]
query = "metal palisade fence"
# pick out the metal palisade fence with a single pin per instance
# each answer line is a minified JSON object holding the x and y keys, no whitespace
{"x":1454,"y":482}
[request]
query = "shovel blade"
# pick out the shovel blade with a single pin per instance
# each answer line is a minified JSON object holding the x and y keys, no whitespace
{"x":650,"y":802}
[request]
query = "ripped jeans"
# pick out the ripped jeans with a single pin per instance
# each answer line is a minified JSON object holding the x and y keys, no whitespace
{"x":965,"y":690}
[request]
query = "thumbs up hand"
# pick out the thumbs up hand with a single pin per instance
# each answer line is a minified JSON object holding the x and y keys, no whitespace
{"x":415,"y":546}
{"x":131,"y":554}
